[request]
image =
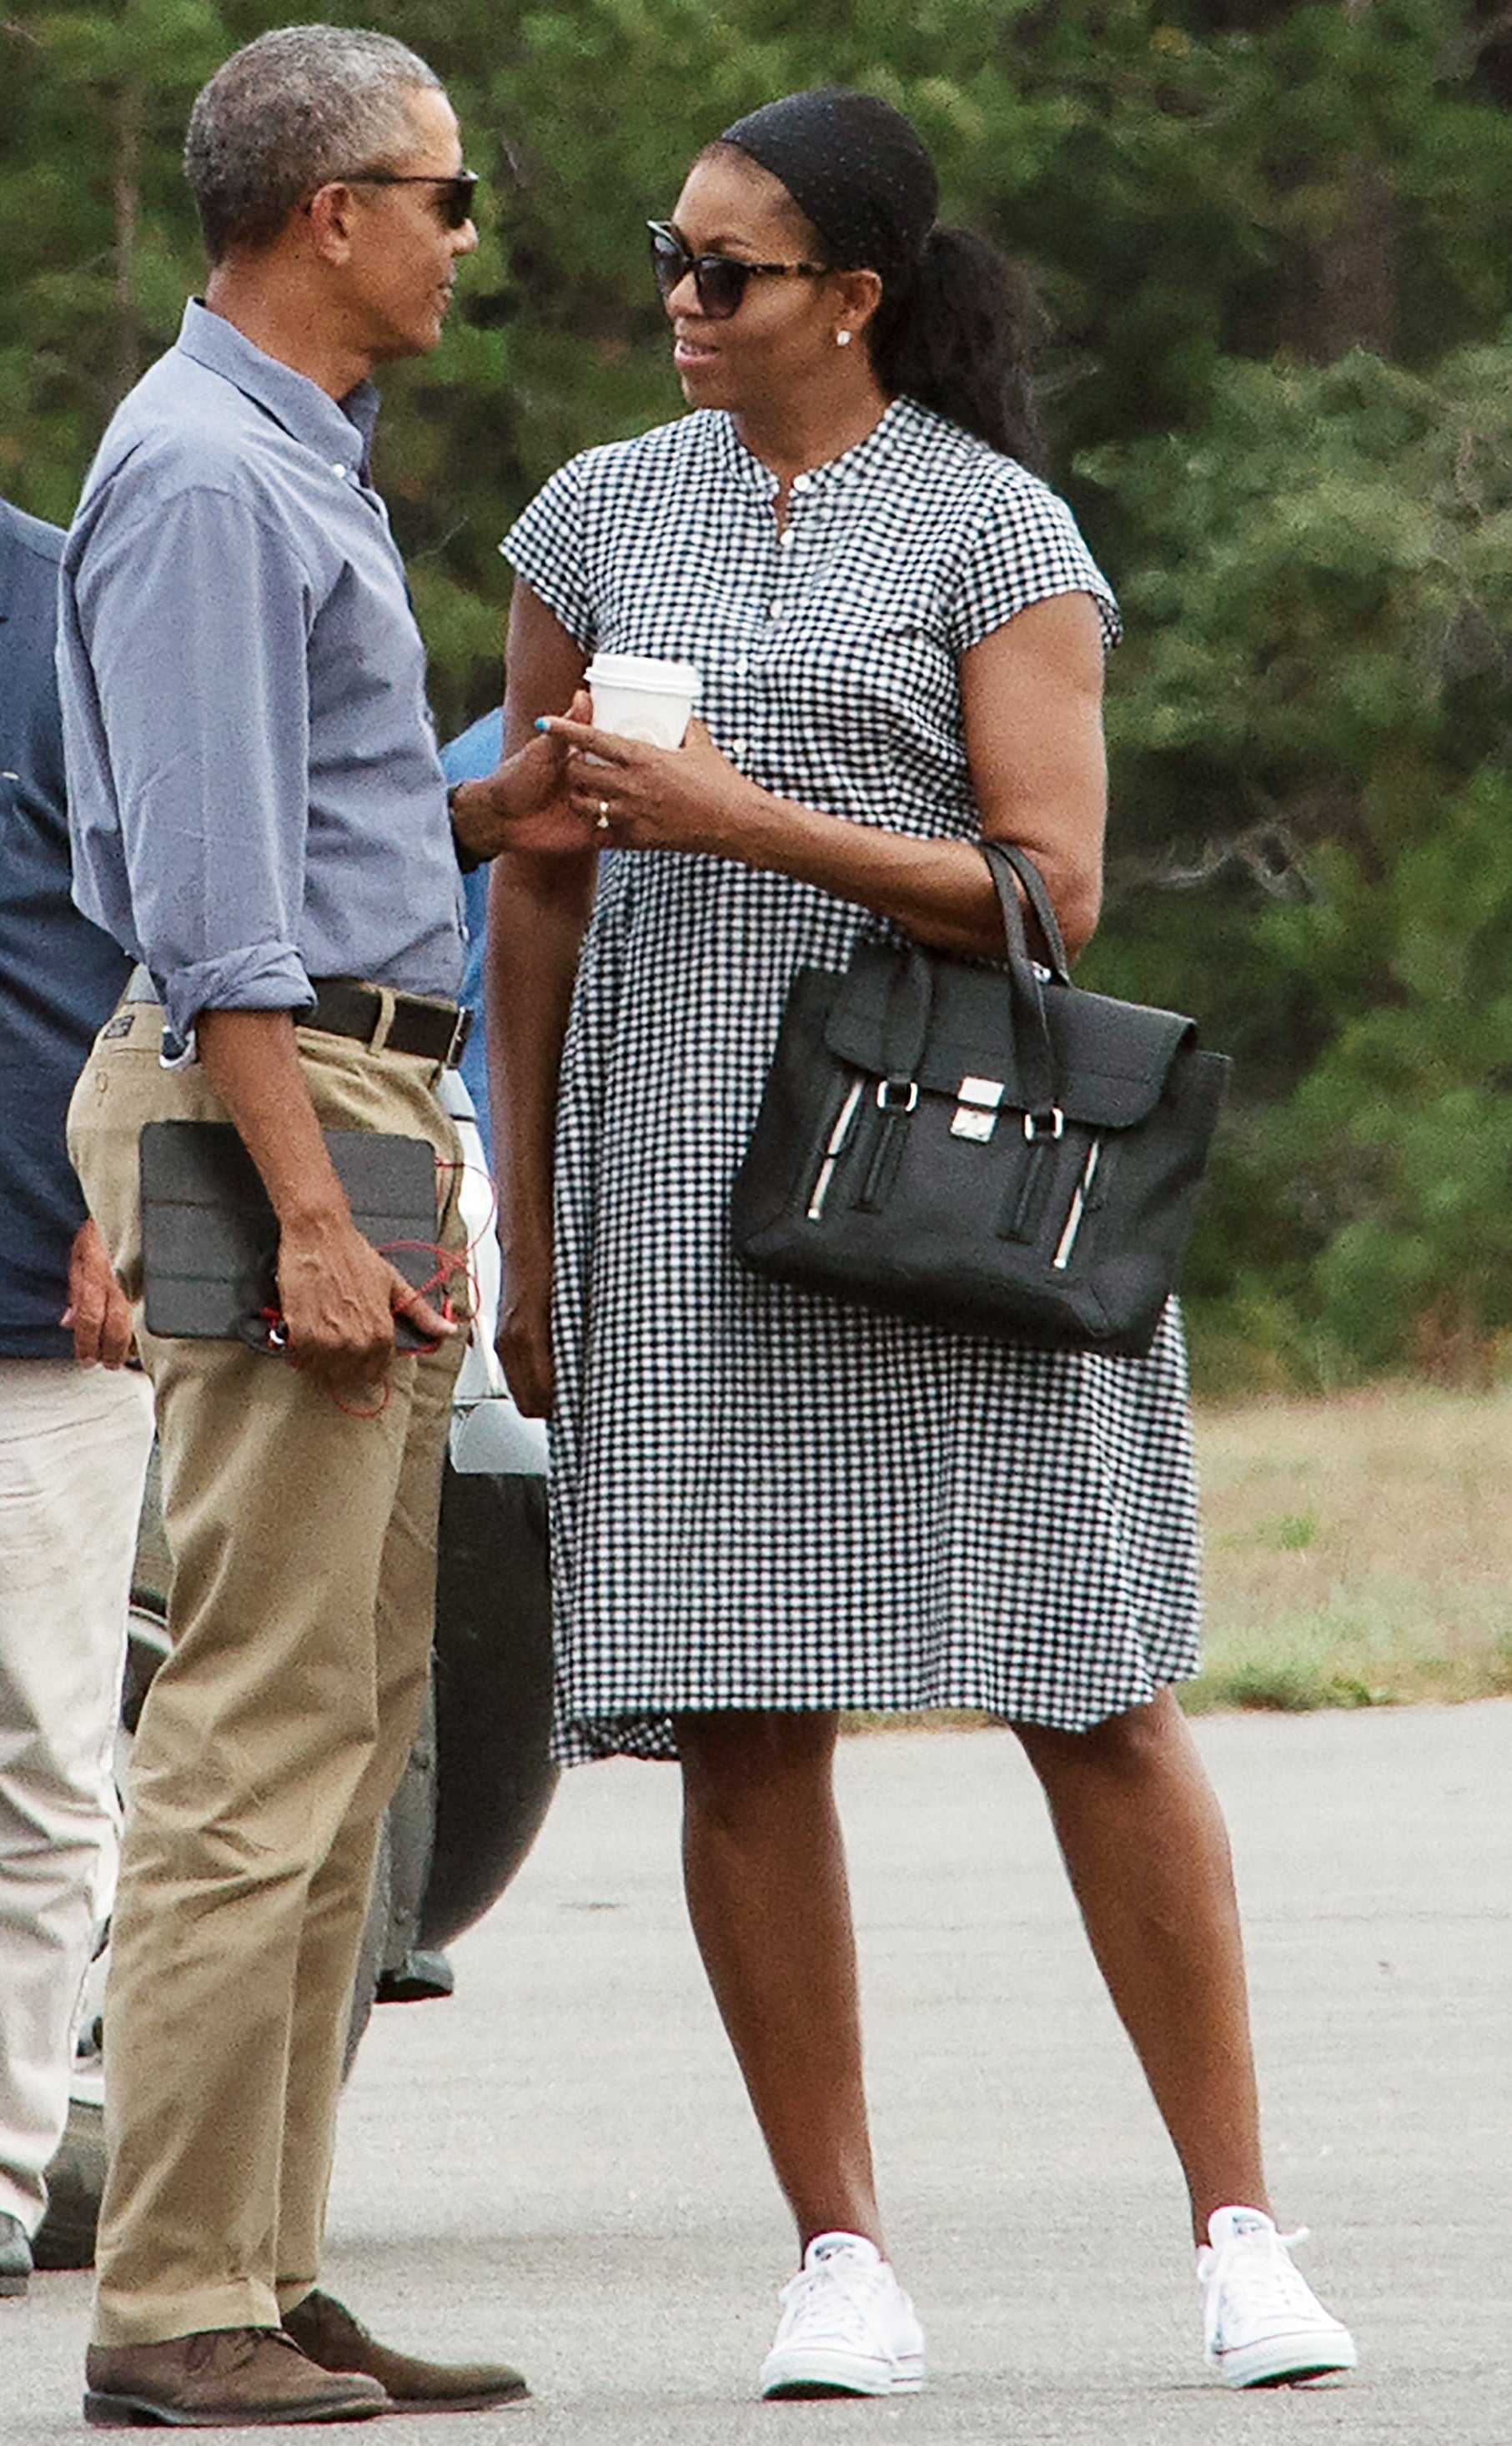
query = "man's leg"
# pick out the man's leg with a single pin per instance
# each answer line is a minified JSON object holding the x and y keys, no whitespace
{"x":331,"y":1934}
{"x":324,"y":2329}
{"x":73,"y":1453}
{"x":255,"y":1738}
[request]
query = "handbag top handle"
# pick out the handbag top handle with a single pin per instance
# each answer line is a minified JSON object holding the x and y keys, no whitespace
{"x":1008,"y":854}
{"x":906,"y":1022}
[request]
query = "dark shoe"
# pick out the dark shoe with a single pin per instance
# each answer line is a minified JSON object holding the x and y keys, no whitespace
{"x":229,"y":2378}
{"x":15,"y":2258}
{"x":329,"y":2334}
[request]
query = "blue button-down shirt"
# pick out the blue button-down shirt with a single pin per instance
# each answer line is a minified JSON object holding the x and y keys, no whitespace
{"x":59,"y":975}
{"x":255,"y":790}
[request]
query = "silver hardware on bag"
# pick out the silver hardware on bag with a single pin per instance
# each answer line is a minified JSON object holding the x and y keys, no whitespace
{"x":1045,"y":1125}
{"x":833,"y":1152}
{"x":896,"y":1094}
{"x":1078,"y":1208}
{"x":976,"y":1114}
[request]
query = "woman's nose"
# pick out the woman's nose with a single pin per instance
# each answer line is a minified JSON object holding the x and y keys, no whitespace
{"x":687,"y":291}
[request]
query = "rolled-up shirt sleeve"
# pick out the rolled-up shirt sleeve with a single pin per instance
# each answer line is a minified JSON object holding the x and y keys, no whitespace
{"x":196,"y":622}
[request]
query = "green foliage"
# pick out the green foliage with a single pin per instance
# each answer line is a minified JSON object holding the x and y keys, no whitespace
{"x":1272,"y":241}
{"x":1315,"y":694}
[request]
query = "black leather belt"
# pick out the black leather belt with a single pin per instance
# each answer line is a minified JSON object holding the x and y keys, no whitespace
{"x":344,"y":1006}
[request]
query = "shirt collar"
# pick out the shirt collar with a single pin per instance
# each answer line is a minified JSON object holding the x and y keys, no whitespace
{"x":852,"y":463}
{"x":334,"y":428}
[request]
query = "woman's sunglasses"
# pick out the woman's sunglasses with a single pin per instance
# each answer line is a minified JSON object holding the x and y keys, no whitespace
{"x":453,"y":195}
{"x":719,"y":280}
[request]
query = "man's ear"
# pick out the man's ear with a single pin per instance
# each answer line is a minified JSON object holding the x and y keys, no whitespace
{"x":330,"y":212}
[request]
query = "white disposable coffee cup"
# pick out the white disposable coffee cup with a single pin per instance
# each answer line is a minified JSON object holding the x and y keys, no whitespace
{"x":638,"y":697}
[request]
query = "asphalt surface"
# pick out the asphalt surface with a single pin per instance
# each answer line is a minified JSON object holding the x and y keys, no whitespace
{"x":557,"y":2166}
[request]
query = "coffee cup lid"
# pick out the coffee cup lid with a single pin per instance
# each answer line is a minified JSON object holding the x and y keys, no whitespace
{"x":643,"y":672}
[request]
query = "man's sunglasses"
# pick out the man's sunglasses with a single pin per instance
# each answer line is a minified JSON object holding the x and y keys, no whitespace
{"x":453,"y":195}
{"x":719,"y":280}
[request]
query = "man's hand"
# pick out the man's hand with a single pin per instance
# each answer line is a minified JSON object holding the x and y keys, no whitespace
{"x":522,"y":804}
{"x":339,"y":1299}
{"x":98,"y":1308}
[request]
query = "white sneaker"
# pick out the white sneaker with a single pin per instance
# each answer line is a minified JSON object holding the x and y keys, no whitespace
{"x":1262,"y":2325}
{"x":847,"y":2326}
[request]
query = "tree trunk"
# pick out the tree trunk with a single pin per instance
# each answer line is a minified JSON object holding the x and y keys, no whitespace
{"x":1356,"y":265}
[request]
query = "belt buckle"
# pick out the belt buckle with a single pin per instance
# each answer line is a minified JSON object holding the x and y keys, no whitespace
{"x":461,"y":1029}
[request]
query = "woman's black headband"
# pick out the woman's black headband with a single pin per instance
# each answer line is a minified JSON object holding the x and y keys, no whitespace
{"x":854,"y":167}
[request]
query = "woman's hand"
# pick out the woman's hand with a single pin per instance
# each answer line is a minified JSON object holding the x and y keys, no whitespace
{"x":523,"y":1340}
{"x":628,"y":795}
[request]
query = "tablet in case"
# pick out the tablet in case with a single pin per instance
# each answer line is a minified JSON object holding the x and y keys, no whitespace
{"x":210,"y":1236}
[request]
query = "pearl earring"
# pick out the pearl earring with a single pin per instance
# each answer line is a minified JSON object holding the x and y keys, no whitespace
{"x":842,"y":339}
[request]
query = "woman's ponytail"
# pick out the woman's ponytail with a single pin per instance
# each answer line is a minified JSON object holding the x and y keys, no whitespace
{"x":957,"y":334}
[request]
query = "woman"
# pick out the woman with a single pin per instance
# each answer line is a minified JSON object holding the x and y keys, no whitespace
{"x":767,"y":1506}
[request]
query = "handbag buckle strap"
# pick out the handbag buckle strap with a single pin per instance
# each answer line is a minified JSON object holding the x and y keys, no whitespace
{"x":896,"y":1094}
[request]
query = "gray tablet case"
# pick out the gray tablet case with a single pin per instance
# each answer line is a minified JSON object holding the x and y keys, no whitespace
{"x":210,"y":1236}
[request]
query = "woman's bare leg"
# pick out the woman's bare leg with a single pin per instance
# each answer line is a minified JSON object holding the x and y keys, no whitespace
{"x":1144,"y":1840}
{"x":764,"y":1869}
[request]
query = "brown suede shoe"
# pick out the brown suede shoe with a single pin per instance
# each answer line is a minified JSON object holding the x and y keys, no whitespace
{"x":229,"y":2378}
{"x":328,"y":2333}
{"x":16,"y":2258}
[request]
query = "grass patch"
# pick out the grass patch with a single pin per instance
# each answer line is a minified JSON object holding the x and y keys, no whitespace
{"x":1359,"y":1549}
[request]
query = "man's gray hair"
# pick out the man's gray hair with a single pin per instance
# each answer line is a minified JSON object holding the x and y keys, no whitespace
{"x":287,"y":113}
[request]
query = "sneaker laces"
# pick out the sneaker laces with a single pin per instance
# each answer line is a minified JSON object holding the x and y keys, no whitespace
{"x":836,"y":2295}
{"x":1252,"y":2277}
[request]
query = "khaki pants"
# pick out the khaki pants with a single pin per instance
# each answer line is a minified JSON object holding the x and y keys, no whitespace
{"x":73,"y":1453}
{"x":304,"y":1546}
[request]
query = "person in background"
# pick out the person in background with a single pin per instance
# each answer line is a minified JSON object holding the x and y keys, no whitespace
{"x":769,"y":1506}
{"x":260,"y":819}
{"x":75,"y":1425}
{"x":471,"y":757}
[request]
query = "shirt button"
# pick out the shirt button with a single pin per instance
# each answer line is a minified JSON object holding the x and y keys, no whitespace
{"x":740,"y":751}
{"x":773,"y":611}
{"x":741,"y":669}
{"x":338,"y":468}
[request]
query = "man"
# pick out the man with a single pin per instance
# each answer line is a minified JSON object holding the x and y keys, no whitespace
{"x":73,"y":1437}
{"x":260,"y":819}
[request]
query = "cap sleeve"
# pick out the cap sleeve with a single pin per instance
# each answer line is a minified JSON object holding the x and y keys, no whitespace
{"x":1027,"y":547}
{"x":547,"y":545}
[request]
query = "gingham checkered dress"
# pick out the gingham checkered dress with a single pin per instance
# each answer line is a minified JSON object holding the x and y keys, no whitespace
{"x":760,"y":1499}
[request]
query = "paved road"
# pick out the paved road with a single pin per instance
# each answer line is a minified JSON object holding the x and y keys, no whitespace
{"x":559,"y":2165}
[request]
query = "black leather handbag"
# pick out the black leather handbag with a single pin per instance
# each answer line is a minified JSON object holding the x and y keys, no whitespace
{"x":988,"y":1149}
